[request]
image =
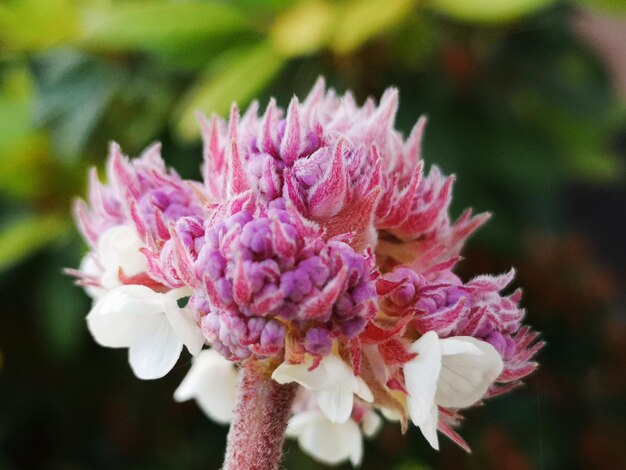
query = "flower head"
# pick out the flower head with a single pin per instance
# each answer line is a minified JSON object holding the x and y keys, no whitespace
{"x":318,"y":248}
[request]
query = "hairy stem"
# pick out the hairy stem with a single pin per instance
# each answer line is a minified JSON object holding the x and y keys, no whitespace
{"x":257,"y":433}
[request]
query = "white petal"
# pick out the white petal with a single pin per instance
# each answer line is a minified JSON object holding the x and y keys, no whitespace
{"x":201,"y":368}
{"x":340,"y":373}
{"x":331,"y":443}
{"x":119,"y":248}
{"x":90,"y":267}
{"x":153,"y":354}
{"x":362,"y":390}
{"x":429,"y":427}
{"x":390,"y":415}
{"x":371,"y":423}
{"x":184,"y":325}
{"x":469,"y":366}
{"x":335,"y":402}
{"x":421,"y":376}
{"x":300,"y":421}
{"x":332,"y":381}
{"x":336,"y":368}
{"x":118,"y":318}
{"x":212,"y":381}
{"x":355,"y":442}
{"x":311,"y":380}
{"x":219,"y":403}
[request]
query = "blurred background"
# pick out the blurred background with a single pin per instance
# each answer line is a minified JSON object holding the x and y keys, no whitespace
{"x":527,"y":105}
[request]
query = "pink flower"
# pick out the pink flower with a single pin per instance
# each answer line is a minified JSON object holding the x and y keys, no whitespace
{"x":318,"y":247}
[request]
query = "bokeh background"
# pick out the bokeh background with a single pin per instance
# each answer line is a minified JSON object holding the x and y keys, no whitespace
{"x":527,"y":105}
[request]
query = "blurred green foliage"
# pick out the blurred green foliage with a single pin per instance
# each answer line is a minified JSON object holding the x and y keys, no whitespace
{"x":519,"y":108}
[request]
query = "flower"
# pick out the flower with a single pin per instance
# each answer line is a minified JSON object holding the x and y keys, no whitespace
{"x":118,"y":251}
{"x":212,"y":382}
{"x":318,"y":250}
{"x":453,"y":372}
{"x":327,"y":442}
{"x":332,"y":382}
{"x":149,"y":324}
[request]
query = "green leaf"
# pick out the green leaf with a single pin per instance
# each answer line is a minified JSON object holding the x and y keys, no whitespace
{"x":139,"y":111}
{"x":488,"y":11}
{"x":583,"y":141}
{"x":613,"y":6}
{"x":74,"y":92}
{"x":360,"y":20}
{"x":235,"y":76}
{"x":23,"y":149}
{"x":22,"y":238}
{"x":303,"y":29}
{"x":158,"y":25}
{"x":30,"y":25}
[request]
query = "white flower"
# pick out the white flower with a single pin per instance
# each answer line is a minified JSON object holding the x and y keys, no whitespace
{"x":371,"y":423}
{"x":151,"y":325}
{"x":453,"y":372}
{"x":332,"y":382}
{"x":329,"y":443}
{"x":118,"y":248}
{"x":212,"y":381}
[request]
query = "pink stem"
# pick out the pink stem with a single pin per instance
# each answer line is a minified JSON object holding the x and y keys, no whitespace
{"x":257,"y":433}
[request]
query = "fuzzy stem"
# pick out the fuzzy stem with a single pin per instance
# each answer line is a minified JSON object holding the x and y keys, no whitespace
{"x":257,"y":433}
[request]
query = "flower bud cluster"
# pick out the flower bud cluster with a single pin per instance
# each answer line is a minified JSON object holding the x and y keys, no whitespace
{"x":439,"y":301}
{"x":139,"y":192}
{"x":316,"y":240}
{"x":266,"y":273}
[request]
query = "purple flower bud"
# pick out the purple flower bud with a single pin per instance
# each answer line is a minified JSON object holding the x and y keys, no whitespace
{"x":316,"y":270}
{"x":255,"y":328}
{"x":403,"y":295}
{"x":344,"y":305}
{"x":256,"y":236}
{"x":224,"y":288}
{"x":295,"y":284}
{"x":317,"y":341}
{"x":273,"y":336}
{"x":210,"y":263}
{"x":497,"y":341}
{"x":353,"y":327}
